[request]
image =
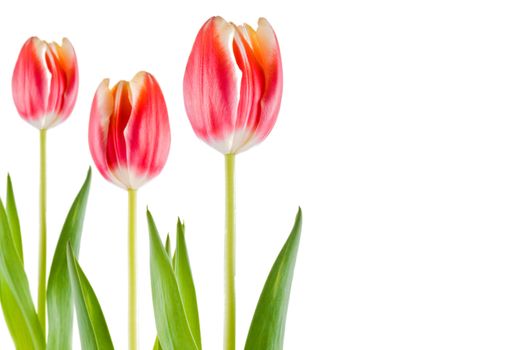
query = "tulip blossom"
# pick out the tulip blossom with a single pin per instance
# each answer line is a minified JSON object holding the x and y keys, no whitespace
{"x":129,"y":138}
{"x":129,"y":133}
{"x":232,"y":89}
{"x":45,"y":82}
{"x":45,"y":87}
{"x":233,"y":84}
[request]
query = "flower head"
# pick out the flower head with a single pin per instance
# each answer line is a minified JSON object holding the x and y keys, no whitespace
{"x":129,"y":134}
{"x":233,"y":84}
{"x":45,"y":82}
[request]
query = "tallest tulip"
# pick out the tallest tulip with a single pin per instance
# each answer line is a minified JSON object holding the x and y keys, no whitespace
{"x":232,"y":88}
{"x":45,"y":87}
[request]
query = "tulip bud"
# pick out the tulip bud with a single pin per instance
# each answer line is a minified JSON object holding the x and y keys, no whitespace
{"x":233,"y":84}
{"x":129,"y":134}
{"x":45,"y":82}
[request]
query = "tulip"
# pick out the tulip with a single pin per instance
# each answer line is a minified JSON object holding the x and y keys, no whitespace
{"x":129,"y":133}
{"x":233,"y":84}
{"x":45,"y":87}
{"x":129,"y":139}
{"x":45,"y":82}
{"x":232,"y":89}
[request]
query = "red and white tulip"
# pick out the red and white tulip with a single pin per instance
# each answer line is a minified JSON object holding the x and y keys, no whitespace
{"x":129,"y":133}
{"x":233,"y":84}
{"x":45,"y":82}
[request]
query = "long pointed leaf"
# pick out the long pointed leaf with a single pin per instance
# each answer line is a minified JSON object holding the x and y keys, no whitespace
{"x":17,"y":300}
{"x":182,"y":272}
{"x":59,"y":295}
{"x":171,"y":321}
{"x":12,"y":218}
{"x":268,"y":324}
{"x":94,"y":333}
{"x":20,"y":332}
{"x":157,"y":345}
{"x":12,"y":314}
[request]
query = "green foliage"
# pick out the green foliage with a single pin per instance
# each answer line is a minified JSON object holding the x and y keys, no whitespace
{"x":12,"y":218}
{"x":94,"y":333}
{"x":17,"y":305}
{"x":268,"y":324}
{"x":183,"y":275}
{"x":174,"y":297}
{"x":59,"y":294}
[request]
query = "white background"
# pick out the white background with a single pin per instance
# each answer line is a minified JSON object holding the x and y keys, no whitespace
{"x":400,"y":135}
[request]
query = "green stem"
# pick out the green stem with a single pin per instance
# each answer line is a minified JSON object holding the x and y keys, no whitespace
{"x":132,"y":270}
{"x":230,"y":293}
{"x":42,"y":267}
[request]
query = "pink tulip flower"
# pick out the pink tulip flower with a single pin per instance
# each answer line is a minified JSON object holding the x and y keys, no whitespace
{"x":45,"y":82}
{"x":129,"y":134}
{"x":233,"y":84}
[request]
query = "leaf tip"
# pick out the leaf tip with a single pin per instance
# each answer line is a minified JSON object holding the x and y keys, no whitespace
{"x":9,"y":184}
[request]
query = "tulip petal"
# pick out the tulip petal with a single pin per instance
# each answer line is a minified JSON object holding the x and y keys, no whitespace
{"x":69,"y":66}
{"x":30,"y":81}
{"x":251,"y":89}
{"x":116,"y":152}
{"x":148,"y":134}
{"x":210,"y":82}
{"x":101,"y":111}
{"x":56,"y":86}
{"x":267,"y":52}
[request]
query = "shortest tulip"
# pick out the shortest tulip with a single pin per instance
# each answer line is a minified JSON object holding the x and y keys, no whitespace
{"x":129,"y":134}
{"x":45,"y":82}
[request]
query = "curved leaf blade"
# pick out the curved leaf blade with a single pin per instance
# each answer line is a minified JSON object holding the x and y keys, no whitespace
{"x":157,"y":345}
{"x":14,"y":280}
{"x":59,"y":294}
{"x":268,"y":324}
{"x":171,"y":321}
{"x":19,"y":331}
{"x":12,"y":218}
{"x":94,"y":334}
{"x":12,"y":315}
{"x":183,"y":275}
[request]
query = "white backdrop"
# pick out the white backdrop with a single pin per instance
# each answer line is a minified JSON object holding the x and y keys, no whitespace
{"x":400,"y":135}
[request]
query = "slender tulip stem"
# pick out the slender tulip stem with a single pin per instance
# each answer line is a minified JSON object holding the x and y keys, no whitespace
{"x":132,"y":270}
{"x":42,"y":267}
{"x":230,"y":293}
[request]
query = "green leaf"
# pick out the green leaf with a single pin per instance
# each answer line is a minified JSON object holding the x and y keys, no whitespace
{"x":183,"y":275}
{"x":168,"y":245}
{"x":268,"y":324}
{"x":12,"y":315}
{"x":94,"y":334}
{"x":157,"y":345}
{"x":14,"y":319}
{"x":59,"y":295}
{"x":16,"y":300}
{"x":12,"y":218}
{"x":172,"y":325}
